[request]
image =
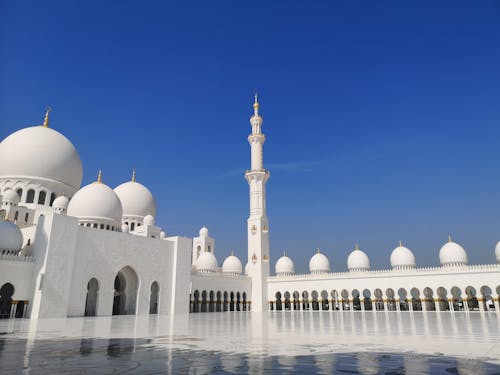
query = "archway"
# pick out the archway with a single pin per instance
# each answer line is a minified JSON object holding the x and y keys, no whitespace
{"x":225,"y":305}
{"x":231,"y":301}
{"x":305,"y":300}
{"x":345,"y":299}
{"x":196,"y":301}
{"x":125,"y":296}
{"x":472,"y":301}
{"x":391,"y":299}
{"x":211,"y":301}
{"x":91,"y":300}
{"x":6,"y":293}
{"x":315,"y":303}
{"x":287,"y":301}
{"x":356,"y":301}
{"x":367,"y":296}
{"x":296,"y":300}
{"x":153,"y":299}
{"x":430,"y":305}
{"x":379,"y":300}
{"x":415,"y":299}
{"x":488,"y":303}
{"x":325,"y":304}
{"x":403,"y":299}
{"x":457,"y":302}
{"x":238,"y":301}
{"x":443,"y":299}
{"x":335,"y":300}
{"x":278,"y":301}
{"x":244,"y":297}
{"x":218,"y":306}
{"x":203,"y":301}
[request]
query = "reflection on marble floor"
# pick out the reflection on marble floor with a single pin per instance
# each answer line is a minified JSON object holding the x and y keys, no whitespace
{"x":313,"y":342}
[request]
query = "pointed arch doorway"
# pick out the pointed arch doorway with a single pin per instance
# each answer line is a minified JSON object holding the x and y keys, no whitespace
{"x":125,"y":295}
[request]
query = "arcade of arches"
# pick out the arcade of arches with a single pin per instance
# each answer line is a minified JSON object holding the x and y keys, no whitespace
{"x":9,"y":307}
{"x":218,"y":301}
{"x":483,"y":298}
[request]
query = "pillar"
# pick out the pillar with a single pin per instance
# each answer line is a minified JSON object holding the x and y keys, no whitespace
{"x":362,"y":302}
{"x":437,"y":303}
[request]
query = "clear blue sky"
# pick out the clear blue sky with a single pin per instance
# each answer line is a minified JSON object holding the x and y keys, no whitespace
{"x":382,"y":118}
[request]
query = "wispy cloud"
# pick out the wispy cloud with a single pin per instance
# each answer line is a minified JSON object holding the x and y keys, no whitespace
{"x":296,"y":166}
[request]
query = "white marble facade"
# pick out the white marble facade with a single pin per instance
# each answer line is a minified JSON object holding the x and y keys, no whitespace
{"x":68,"y":250}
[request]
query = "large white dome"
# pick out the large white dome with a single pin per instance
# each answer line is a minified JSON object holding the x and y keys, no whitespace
{"x":40,"y":153}
{"x":358,"y":261}
{"x":402,"y":258}
{"x":11,"y":238}
{"x":497,"y":251}
{"x":232,"y":265}
{"x":96,"y":202}
{"x":10,"y":196}
{"x":207,"y":262}
{"x":284,"y":266}
{"x":319,"y":263}
{"x":452,"y":254}
{"x":137,"y":200}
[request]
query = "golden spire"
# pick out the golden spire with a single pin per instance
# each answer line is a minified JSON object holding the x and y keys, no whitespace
{"x":356,"y":247}
{"x":99,"y":176}
{"x":232,"y":252}
{"x":46,"y":119}
{"x":449,"y":238}
{"x":133,"y":175}
{"x":318,"y":251}
{"x":400,"y":243}
{"x":256,"y":106}
{"x":284,"y":253}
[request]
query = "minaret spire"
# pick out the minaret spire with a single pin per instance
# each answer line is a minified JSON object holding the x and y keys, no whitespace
{"x":133,"y":175}
{"x":258,"y":225}
{"x":46,"y":119}
{"x":99,"y":176}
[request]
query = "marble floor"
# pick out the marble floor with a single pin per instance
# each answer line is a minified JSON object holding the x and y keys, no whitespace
{"x":241,"y":342}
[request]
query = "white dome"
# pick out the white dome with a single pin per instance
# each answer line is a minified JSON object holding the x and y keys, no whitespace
{"x":232,"y":265}
{"x":61,"y":202}
{"x":204,"y":232}
{"x":11,"y":238}
{"x":358,"y":261}
{"x":206,"y":262}
{"x":40,"y":153}
{"x":96,"y":202}
{"x":402,"y":258}
{"x":149,"y":220}
{"x":10,"y":196}
{"x":137,"y":200}
{"x":452,"y":254}
{"x":497,"y":251}
{"x":319,"y":263}
{"x":247,"y":268}
{"x":284,"y":266}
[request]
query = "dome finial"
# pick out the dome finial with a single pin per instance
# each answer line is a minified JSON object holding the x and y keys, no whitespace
{"x":232,"y":252}
{"x":284,"y":253}
{"x":133,"y":175}
{"x":356,"y":247}
{"x":99,"y":176}
{"x":449,"y":238}
{"x":46,"y":119}
{"x":318,"y":251}
{"x":400,"y":243}
{"x":256,"y":106}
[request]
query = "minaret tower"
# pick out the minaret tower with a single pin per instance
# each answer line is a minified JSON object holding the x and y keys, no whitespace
{"x":258,"y":226}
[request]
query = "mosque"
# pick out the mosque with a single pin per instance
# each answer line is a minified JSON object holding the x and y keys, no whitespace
{"x":67,"y":250}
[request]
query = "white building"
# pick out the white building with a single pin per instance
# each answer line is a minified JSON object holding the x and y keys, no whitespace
{"x":67,"y":250}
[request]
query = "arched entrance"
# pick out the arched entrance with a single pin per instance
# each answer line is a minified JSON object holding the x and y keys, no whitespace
{"x":153,"y":299}
{"x":91,"y":300}
{"x":6,"y":293}
{"x":125,"y":296}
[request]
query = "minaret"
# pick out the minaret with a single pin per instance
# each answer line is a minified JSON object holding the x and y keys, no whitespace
{"x":258,"y":226}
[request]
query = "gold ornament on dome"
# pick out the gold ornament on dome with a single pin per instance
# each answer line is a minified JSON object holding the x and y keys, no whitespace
{"x":253,"y":229}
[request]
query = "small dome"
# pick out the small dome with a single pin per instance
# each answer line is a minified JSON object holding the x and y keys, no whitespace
{"x":10,"y":196}
{"x":204,"y":232}
{"x":61,"y":202}
{"x":497,"y":251}
{"x":319,"y":263}
{"x":247,"y":268}
{"x":124,"y":228}
{"x":40,"y":153}
{"x":358,"y":261}
{"x":206,"y":262}
{"x":284,"y":266}
{"x":137,"y":200}
{"x":163,"y":234}
{"x":149,"y":220}
{"x":11,"y":237}
{"x":402,"y":258}
{"x":452,"y":254}
{"x":232,"y":265}
{"x":96,"y":202}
